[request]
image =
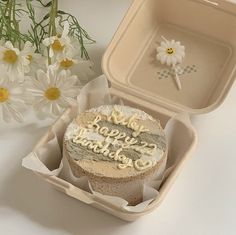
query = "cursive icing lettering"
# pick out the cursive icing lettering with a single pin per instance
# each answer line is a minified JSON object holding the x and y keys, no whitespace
{"x":116,"y":138}
{"x":117,"y":117}
{"x":103,"y":148}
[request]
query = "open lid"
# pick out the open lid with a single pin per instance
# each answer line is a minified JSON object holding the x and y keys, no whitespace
{"x":208,"y":70}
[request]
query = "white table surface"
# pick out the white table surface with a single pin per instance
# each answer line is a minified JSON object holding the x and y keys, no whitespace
{"x":202,"y":200}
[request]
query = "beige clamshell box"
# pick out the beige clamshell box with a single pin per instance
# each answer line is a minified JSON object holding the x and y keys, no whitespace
{"x":207,"y":29}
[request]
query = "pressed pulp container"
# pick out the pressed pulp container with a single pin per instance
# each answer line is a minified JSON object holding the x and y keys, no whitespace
{"x":206,"y":28}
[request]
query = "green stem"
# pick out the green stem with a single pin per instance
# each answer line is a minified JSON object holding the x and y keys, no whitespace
{"x":55,"y":9}
{"x":8,"y":15}
{"x":52,"y":22}
{"x":14,"y":21}
{"x":9,"y":28}
{"x":53,"y":16}
{"x":2,"y":22}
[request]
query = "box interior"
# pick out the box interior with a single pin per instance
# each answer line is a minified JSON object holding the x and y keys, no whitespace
{"x":203,"y":27}
{"x":181,"y":142}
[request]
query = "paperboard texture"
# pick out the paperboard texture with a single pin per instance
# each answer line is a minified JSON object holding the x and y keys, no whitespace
{"x":205,"y":28}
{"x":47,"y":159}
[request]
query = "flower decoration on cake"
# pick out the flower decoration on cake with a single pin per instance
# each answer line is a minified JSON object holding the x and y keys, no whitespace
{"x":11,"y":98}
{"x":172,"y":54}
{"x":53,"y":91}
{"x":49,"y":59}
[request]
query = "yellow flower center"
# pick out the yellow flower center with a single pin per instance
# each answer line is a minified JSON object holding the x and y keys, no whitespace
{"x":10,"y":56}
{"x":52,"y":93}
{"x":4,"y":94}
{"x":30,"y":58}
{"x":66,"y":63}
{"x":170,"y":51}
{"x":56,"y":46}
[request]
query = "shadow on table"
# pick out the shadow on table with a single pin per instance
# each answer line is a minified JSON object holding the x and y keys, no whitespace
{"x":25,"y":192}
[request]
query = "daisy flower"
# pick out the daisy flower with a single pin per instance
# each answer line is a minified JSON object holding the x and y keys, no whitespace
{"x":170,"y":52}
{"x":36,"y":60}
{"x":11,"y":98}
{"x":77,"y":66}
{"x":60,"y":44}
{"x":54,"y":90}
{"x":16,"y":63}
{"x":67,"y":62}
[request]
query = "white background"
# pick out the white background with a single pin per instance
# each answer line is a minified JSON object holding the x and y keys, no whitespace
{"x":202,"y":200}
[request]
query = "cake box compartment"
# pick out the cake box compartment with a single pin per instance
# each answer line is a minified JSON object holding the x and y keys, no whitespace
{"x":205,"y":28}
{"x":183,"y":142}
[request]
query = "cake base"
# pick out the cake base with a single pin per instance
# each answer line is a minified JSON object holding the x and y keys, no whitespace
{"x":118,"y":148}
{"x":130,"y":189}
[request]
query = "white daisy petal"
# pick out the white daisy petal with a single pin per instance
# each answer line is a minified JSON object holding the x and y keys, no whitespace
{"x":62,"y":103}
{"x":174,"y":60}
{"x":171,"y":42}
{"x":56,"y":110}
{"x":54,"y":94}
{"x":9,"y":45}
{"x":12,"y":98}
{"x":14,"y":60}
{"x":17,"y":116}
{"x":178,"y":43}
{"x":159,"y":56}
{"x":47,"y":42}
{"x":61,"y":77}
{"x":51,"y":53}
{"x":36,"y":91}
{"x":163,"y":59}
{"x":160,"y":49}
{"x":41,"y":75}
{"x":174,"y":55}
{"x":5,"y":114}
{"x":64,"y":45}
{"x":181,"y":53}
{"x":169,"y":60}
{"x":39,"y":84}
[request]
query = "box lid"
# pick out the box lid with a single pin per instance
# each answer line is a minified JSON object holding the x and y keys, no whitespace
{"x":130,"y":60}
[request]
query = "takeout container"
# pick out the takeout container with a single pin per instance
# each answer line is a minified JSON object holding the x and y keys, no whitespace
{"x":205,"y":28}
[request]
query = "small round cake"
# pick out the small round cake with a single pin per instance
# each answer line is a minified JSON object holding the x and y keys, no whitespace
{"x":118,"y":148}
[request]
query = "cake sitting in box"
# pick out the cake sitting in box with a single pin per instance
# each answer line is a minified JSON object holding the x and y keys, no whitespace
{"x":118,"y":148}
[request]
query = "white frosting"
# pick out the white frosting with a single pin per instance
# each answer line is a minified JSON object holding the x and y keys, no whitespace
{"x":71,"y":130}
{"x":98,"y":139}
{"x":102,"y":148}
{"x":107,"y":110}
{"x":91,"y":135}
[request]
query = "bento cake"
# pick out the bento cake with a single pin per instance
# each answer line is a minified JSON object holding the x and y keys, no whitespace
{"x":118,"y":148}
